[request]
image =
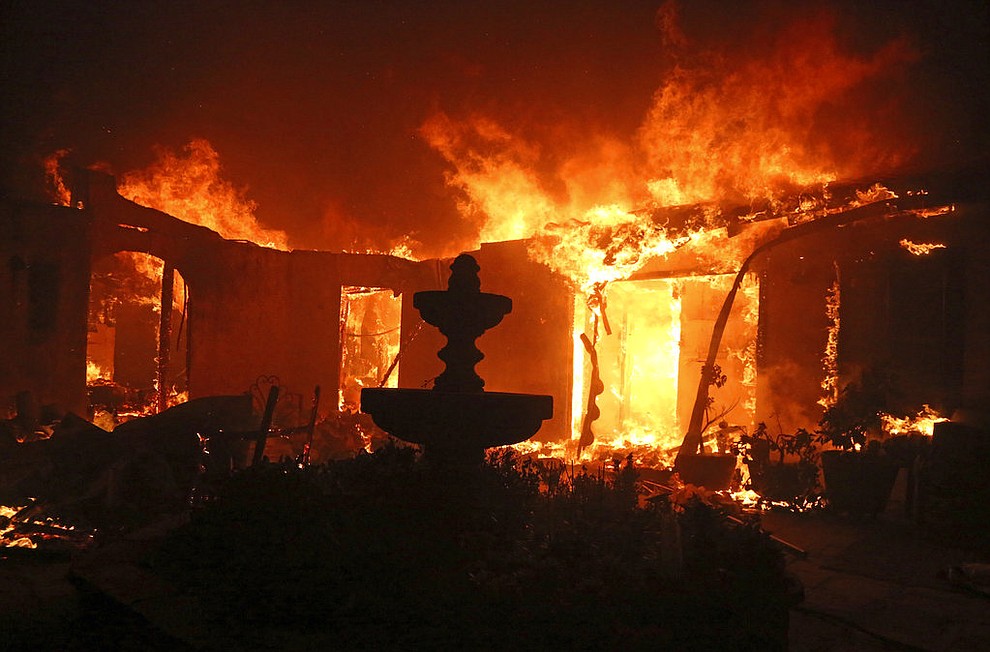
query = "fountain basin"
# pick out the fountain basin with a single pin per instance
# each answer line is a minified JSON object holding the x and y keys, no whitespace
{"x":456,"y":420}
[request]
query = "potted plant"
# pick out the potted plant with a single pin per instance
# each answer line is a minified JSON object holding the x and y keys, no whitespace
{"x":857,"y":473}
{"x":701,"y":467}
{"x":783,"y":468}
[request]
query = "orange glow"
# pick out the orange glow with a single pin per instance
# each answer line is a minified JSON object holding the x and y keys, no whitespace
{"x":189,"y":186}
{"x":59,"y":192}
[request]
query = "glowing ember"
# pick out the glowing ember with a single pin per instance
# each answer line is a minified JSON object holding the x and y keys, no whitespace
{"x":189,"y":186}
{"x":7,"y":525}
{"x":920,"y":248}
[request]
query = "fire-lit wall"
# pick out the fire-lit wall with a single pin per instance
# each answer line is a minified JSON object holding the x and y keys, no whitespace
{"x":257,"y":311}
{"x":918,"y":319}
{"x":253,"y":311}
{"x":44,"y":284}
{"x":793,"y":333}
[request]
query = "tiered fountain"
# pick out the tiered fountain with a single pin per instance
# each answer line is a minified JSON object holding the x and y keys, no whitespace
{"x":457,"y":420}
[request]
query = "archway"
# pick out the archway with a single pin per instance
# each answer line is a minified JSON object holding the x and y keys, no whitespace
{"x":137,"y":339}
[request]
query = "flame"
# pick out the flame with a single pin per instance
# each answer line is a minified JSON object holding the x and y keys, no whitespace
{"x":746,"y":355}
{"x":920,"y":248}
{"x":876,"y":192}
{"x":830,"y":360}
{"x":652,"y":344}
{"x":923,"y":422}
{"x":60,"y":194}
{"x":938,"y":211}
{"x":7,"y":525}
{"x":189,"y":186}
{"x":95,"y":372}
{"x":725,"y":127}
{"x":728,"y":123}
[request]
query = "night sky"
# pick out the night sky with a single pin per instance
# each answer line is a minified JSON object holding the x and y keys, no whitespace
{"x":315,"y":108}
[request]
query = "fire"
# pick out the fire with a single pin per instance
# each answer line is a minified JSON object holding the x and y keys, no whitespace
{"x":923,"y":422}
{"x":60,"y":193}
{"x":7,"y":513}
{"x":95,"y":372}
{"x":920,"y":248}
{"x":876,"y":192}
{"x":726,"y":128}
{"x":830,"y":360}
{"x":370,"y":320}
{"x":189,"y":186}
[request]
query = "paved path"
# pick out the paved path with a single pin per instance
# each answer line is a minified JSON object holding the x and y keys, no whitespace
{"x":878,"y":584}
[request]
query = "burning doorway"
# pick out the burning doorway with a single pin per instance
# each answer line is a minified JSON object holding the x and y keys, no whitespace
{"x":136,"y":344}
{"x":370,"y":323}
{"x":650,"y":362}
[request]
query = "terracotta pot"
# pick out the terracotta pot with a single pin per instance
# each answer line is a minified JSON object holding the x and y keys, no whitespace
{"x":713,"y":472}
{"x":858,"y":483}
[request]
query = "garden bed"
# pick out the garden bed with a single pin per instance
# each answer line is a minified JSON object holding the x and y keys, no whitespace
{"x":382,"y":551}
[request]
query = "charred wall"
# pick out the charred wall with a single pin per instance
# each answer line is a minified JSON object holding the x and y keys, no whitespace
{"x":257,"y":311}
{"x":919,"y":321}
{"x":44,"y":287}
{"x":253,"y":311}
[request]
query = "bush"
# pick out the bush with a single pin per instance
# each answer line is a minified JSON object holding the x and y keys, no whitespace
{"x":382,"y":551}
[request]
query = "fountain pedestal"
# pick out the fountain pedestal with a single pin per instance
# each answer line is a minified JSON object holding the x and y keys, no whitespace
{"x":457,"y":420}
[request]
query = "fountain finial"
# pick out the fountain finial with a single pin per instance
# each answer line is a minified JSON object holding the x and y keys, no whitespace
{"x":464,"y":275}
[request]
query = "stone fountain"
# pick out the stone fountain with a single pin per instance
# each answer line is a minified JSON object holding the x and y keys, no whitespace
{"x":457,"y":420}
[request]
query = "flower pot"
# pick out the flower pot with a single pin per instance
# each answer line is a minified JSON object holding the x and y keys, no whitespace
{"x":858,"y":483}
{"x":790,"y":483}
{"x":713,"y":472}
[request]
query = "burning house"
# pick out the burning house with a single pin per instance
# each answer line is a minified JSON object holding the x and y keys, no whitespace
{"x":723,"y":227}
{"x":887,"y":278}
{"x":776,"y":220}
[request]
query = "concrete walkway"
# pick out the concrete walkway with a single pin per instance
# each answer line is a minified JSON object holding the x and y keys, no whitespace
{"x":878,"y":584}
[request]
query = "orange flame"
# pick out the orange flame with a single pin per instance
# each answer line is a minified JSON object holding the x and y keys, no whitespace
{"x":830,"y":360}
{"x":189,"y":186}
{"x":7,"y":513}
{"x":923,"y":422}
{"x":747,"y":128}
{"x":724,"y":127}
{"x":920,"y":248}
{"x":59,"y":192}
